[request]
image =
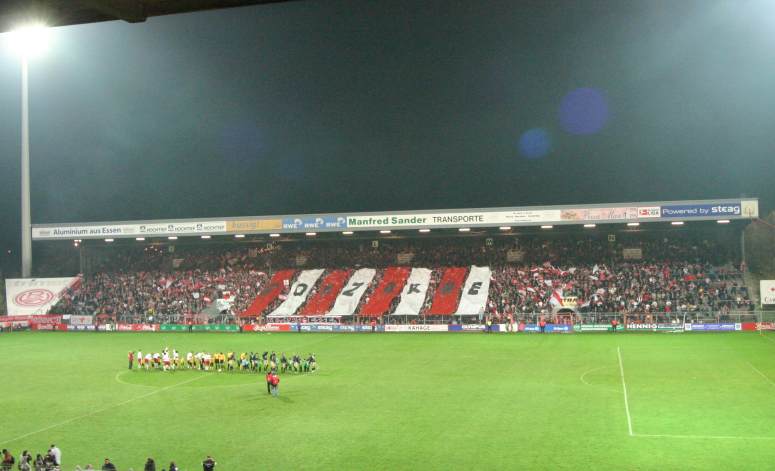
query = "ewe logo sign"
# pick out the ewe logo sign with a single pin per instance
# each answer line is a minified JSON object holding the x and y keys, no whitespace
{"x":767,"y":291}
{"x":319,"y":222}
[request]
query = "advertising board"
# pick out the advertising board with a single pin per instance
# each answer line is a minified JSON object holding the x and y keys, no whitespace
{"x":416,"y":328}
{"x":550,"y":328}
{"x":315,"y":222}
{"x":730,"y":209}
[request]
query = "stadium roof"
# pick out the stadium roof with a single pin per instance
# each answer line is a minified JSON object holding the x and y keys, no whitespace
{"x":74,"y":12}
{"x":674,"y":212}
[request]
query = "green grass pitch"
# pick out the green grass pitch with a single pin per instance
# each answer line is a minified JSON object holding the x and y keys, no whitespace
{"x":401,"y":401}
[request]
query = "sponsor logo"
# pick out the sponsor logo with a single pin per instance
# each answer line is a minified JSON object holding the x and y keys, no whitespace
{"x":33,"y":297}
{"x":249,"y":225}
{"x":318,"y":222}
{"x":649,"y":212}
{"x":702,"y":210}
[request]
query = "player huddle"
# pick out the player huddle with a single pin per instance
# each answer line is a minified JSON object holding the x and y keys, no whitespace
{"x":219,"y":361}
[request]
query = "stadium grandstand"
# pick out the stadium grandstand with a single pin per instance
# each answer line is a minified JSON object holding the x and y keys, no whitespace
{"x":643,"y":262}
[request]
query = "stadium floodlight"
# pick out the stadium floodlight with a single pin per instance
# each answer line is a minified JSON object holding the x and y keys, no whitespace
{"x":633,"y":224}
{"x":172,"y":237}
{"x":347,"y":233}
{"x":311,"y":234}
{"x":274,"y":235}
{"x":108,"y":240}
{"x":722,"y":221}
{"x":206,"y":237}
{"x":677,"y":223}
{"x":505,"y":228}
{"x":425,"y":230}
{"x":464,"y":229}
{"x":590,"y":226}
{"x":30,"y":40}
{"x":239,"y":236}
{"x":27,"y":41}
{"x":547,"y":227}
{"x":140,"y":239}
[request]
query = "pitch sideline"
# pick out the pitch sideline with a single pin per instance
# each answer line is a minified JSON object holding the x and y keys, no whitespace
{"x":624,"y":388}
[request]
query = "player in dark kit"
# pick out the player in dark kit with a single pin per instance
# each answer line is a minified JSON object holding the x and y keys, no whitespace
{"x":208,"y":464}
{"x":131,"y":359}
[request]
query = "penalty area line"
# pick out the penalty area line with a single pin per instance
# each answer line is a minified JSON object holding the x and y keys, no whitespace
{"x":624,"y":389}
{"x":95,"y":412}
{"x":766,"y":378}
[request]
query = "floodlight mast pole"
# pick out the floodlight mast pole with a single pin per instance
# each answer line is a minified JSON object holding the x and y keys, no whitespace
{"x":25,"y":197}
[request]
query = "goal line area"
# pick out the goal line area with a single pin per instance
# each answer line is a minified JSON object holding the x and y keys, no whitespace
{"x":687,"y":393}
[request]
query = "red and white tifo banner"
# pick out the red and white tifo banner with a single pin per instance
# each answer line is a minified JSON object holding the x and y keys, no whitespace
{"x":35,"y":296}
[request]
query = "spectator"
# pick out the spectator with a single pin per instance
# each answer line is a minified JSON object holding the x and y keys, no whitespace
{"x":56,"y":453}
{"x":40,"y":464}
{"x":8,"y":461}
{"x":25,"y":461}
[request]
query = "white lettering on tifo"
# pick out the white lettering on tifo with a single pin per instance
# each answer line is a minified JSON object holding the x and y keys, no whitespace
{"x":350,"y":296}
{"x":298,"y":293}
{"x":475,"y":291}
{"x":413,"y":294}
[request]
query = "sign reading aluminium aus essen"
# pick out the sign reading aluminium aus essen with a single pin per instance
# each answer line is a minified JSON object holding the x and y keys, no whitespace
{"x":149,"y":229}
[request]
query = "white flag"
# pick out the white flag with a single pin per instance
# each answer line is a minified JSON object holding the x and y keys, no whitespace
{"x":475,"y":291}
{"x":413,"y":294}
{"x":298,"y":293}
{"x":351,"y":294}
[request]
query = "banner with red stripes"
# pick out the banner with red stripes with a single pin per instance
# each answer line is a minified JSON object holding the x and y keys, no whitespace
{"x":279,"y":283}
{"x":393,"y":280}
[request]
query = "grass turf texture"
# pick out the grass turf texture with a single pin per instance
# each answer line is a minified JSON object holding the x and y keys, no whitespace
{"x":400,"y":401}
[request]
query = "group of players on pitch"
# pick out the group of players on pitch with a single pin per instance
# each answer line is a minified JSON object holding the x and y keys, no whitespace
{"x":219,"y":361}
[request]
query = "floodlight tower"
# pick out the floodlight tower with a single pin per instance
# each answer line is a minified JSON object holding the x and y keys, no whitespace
{"x":28,"y":42}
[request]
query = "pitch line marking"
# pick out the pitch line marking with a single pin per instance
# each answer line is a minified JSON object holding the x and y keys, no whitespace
{"x":702,"y":437}
{"x":119,"y":381}
{"x":588,"y":372}
{"x":624,"y":389}
{"x":73,"y":419}
{"x":761,"y":374}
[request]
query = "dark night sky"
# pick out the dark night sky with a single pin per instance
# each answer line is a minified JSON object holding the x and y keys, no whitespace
{"x":326,"y":106}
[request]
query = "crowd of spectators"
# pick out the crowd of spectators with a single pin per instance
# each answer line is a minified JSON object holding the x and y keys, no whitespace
{"x":663,"y":273}
{"x":52,"y":461}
